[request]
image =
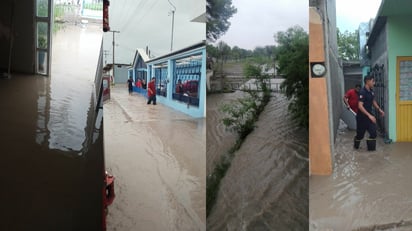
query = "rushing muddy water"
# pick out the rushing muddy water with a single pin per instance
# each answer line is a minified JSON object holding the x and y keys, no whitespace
{"x":51,"y":166}
{"x":367,"y":190}
{"x":158,"y":157}
{"x":220,"y":138}
{"x":266,"y":186}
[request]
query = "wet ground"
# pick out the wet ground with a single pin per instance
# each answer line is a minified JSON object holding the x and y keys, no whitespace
{"x":367,"y":190}
{"x":266,"y":186}
{"x":51,"y":144}
{"x":157,"y":155}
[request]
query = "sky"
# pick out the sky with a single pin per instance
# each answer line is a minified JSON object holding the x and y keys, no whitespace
{"x":256,"y":22}
{"x":149,"y":23}
{"x":350,"y":13}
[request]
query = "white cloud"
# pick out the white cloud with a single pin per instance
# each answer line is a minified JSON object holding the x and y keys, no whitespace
{"x":148,"y":23}
{"x":257,"y":21}
{"x":350,"y":13}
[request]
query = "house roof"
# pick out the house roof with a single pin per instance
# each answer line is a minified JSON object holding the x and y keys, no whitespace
{"x":395,"y":7}
{"x":386,"y":9}
{"x":197,"y":45}
{"x":200,"y":18}
{"x":142,"y":53}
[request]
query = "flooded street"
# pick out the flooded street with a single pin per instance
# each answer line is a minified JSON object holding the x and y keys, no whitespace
{"x":367,"y":190}
{"x":52,"y":146}
{"x":266,"y":186}
{"x":157,"y":155}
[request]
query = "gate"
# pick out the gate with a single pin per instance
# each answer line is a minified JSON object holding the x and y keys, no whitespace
{"x":378,"y":71}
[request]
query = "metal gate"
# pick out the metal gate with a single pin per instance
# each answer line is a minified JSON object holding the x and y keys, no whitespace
{"x":378,"y":71}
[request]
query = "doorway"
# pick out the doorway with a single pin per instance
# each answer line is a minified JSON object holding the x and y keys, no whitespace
{"x":43,"y":36}
{"x":404,"y":99}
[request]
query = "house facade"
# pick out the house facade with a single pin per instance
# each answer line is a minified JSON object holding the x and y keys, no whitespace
{"x":180,"y":78}
{"x":389,"y":55}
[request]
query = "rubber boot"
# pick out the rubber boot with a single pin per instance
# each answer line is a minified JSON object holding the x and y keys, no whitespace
{"x":371,"y":143}
{"x":356,"y":143}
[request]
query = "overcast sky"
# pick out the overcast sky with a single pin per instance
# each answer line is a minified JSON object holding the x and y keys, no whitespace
{"x":148,"y":23}
{"x":350,"y":13}
{"x":256,"y":21}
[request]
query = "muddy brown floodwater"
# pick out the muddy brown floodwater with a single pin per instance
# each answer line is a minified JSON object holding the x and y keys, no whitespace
{"x":51,"y":145}
{"x":266,"y":186}
{"x":219,"y":138}
{"x":157,"y":155}
{"x":367,"y":190}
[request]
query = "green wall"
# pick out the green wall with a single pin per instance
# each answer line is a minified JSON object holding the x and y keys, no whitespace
{"x":399,"y":44}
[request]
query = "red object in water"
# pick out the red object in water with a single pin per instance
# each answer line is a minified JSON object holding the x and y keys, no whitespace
{"x":108,"y":196}
{"x":109,"y":189}
{"x":106,"y":5}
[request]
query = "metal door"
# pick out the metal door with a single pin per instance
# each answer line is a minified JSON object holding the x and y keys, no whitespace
{"x":404,"y":99}
{"x":378,"y":71}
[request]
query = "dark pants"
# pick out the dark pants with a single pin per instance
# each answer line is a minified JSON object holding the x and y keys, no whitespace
{"x":130,"y":89}
{"x":364,"y":124}
{"x":152,"y":98}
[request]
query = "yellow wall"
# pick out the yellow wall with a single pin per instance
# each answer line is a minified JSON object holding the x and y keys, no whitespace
{"x":319,"y":136}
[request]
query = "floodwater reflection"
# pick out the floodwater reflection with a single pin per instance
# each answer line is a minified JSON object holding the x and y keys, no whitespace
{"x":46,"y":123}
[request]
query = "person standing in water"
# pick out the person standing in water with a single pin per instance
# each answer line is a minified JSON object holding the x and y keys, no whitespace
{"x":151,"y":91}
{"x":130,"y":85}
{"x":365,"y":119}
{"x":351,"y":98}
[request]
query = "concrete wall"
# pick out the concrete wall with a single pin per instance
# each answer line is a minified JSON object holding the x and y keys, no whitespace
{"x":325,"y":93}
{"x":23,"y":47}
{"x":363,"y":37}
{"x":379,"y":56}
{"x":399,"y":43}
{"x":335,"y":79}
{"x":320,"y":158}
{"x":352,"y":73}
{"x":121,"y":74}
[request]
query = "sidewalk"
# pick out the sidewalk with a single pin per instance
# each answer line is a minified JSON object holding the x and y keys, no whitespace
{"x":367,"y":190}
{"x":157,"y":155}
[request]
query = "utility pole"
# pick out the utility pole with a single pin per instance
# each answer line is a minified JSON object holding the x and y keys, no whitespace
{"x":173,"y":23}
{"x":105,"y":53}
{"x":114,"y":44}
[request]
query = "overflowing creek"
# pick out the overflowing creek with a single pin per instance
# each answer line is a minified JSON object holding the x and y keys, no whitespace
{"x":366,"y":191}
{"x":51,"y":140}
{"x":266,"y":186}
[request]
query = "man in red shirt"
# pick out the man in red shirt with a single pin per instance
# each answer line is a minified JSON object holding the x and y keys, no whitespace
{"x":351,"y":98}
{"x":151,"y":91}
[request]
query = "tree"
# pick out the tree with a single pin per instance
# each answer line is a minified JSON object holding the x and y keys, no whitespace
{"x":218,"y":13}
{"x":223,"y":52}
{"x":236,"y":53}
{"x":348,"y":45}
{"x":292,"y":55}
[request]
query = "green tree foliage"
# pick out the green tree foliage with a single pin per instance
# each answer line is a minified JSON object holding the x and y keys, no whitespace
{"x":293,"y":58}
{"x":348,"y":45}
{"x":218,"y":14}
